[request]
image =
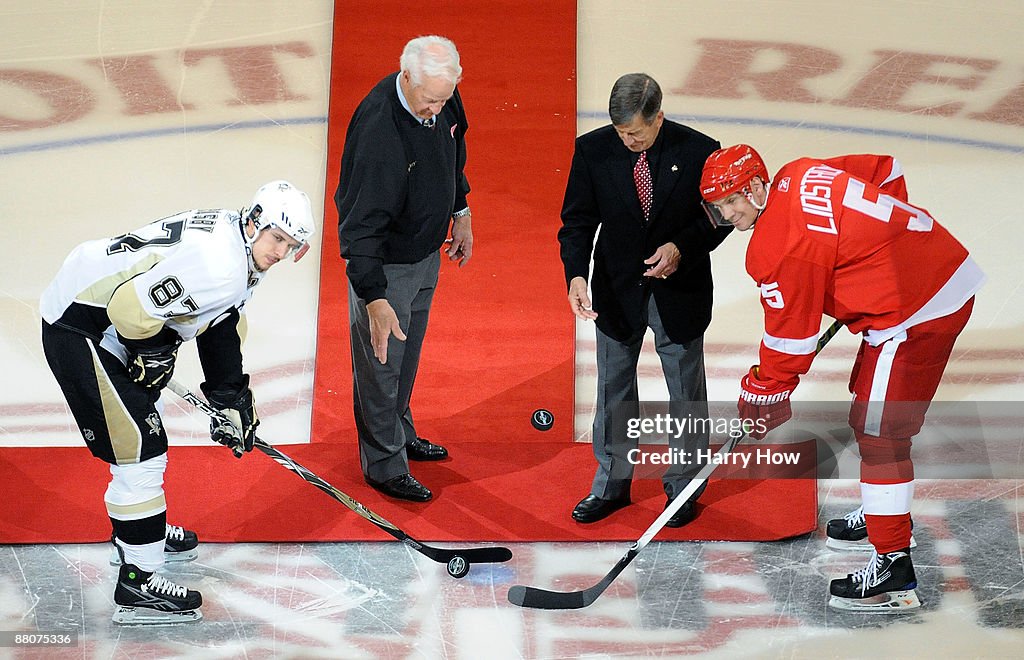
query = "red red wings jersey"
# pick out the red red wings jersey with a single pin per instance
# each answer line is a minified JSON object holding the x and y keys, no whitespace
{"x":838,"y":237}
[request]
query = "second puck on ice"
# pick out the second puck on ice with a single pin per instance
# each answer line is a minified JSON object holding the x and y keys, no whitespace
{"x":542,"y":419}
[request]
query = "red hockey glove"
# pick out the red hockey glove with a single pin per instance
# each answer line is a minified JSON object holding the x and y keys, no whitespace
{"x":763,"y":403}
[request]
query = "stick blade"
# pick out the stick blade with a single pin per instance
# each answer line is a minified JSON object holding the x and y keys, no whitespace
{"x":490,"y":555}
{"x":542,"y":599}
{"x":493,"y":555}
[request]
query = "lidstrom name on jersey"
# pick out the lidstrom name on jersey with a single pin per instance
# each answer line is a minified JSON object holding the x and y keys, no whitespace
{"x":816,"y":195}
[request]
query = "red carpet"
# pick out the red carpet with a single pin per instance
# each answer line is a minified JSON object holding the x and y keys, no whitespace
{"x":502,"y":321}
{"x":500,"y":342}
{"x":517,"y":496}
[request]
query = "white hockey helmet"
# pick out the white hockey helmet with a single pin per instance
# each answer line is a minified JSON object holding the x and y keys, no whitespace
{"x":282,"y":205}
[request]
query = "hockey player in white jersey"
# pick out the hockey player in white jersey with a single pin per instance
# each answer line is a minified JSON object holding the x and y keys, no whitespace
{"x":113,"y":319}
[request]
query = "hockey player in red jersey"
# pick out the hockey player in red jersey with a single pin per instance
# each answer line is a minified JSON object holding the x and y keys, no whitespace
{"x":838,"y":237}
{"x":113,"y":319}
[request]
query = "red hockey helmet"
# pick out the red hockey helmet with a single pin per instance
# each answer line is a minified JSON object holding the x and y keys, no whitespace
{"x":730,"y":170}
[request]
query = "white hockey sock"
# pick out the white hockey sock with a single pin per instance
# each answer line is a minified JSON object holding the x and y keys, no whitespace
{"x":148,"y":557}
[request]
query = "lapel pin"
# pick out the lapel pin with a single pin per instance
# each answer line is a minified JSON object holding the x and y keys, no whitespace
{"x":675,"y":168}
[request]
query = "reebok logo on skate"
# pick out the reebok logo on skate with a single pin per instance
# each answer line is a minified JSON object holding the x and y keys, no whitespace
{"x":145,"y":599}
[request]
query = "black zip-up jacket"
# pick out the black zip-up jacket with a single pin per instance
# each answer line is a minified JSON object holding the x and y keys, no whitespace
{"x":400,"y":183}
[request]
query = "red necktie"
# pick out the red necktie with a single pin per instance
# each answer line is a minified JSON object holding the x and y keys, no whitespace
{"x":642,"y":178}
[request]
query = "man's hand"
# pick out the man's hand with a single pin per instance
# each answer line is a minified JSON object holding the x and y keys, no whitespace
{"x":579,"y":301}
{"x":663,"y":262}
{"x":238,"y":431}
{"x":383,"y":324}
{"x":764,"y":404}
{"x":151,"y":367}
{"x":460,"y":245}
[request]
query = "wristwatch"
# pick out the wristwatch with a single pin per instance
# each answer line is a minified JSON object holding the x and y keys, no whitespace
{"x":461,"y":214}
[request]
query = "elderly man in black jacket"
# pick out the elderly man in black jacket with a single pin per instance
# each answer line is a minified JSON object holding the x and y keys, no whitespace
{"x":637,"y":180}
{"x":402,"y":187}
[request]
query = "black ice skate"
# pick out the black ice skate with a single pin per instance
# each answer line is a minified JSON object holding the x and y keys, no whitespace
{"x":180,"y":544}
{"x":886,"y":584}
{"x":145,"y":598}
{"x":851,"y":532}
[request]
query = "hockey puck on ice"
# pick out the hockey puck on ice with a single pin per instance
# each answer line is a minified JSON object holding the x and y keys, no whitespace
{"x":458,"y":567}
{"x":542,"y":419}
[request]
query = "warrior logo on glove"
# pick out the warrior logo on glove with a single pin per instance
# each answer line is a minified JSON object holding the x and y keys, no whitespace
{"x":764,"y":404}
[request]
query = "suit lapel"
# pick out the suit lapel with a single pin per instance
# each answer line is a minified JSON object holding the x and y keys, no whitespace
{"x":670,"y":170}
{"x":620,"y":173}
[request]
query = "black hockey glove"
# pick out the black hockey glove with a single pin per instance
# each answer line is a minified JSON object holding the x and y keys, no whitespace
{"x":238,"y":432}
{"x":151,"y":366}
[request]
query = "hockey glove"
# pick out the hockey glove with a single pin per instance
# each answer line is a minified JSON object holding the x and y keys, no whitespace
{"x":151,"y":366}
{"x":764,"y":404}
{"x":238,"y":431}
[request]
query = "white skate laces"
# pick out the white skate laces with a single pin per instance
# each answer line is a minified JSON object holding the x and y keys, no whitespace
{"x":869,"y":576}
{"x":164,"y":587}
{"x":174,"y":532}
{"x":855,"y":518}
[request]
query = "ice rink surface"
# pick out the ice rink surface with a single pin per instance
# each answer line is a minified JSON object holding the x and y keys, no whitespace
{"x":113,"y":114}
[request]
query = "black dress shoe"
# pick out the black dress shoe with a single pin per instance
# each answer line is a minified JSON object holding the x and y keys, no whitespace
{"x":425,"y":450}
{"x":592,"y":508}
{"x":684,"y":515}
{"x":404,"y":487}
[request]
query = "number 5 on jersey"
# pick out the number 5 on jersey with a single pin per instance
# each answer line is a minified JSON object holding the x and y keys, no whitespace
{"x":772,"y":295}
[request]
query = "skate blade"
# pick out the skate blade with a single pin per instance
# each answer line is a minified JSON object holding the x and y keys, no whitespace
{"x":892,"y":601}
{"x":184,"y":555}
{"x":143,"y":616}
{"x":857,"y":546}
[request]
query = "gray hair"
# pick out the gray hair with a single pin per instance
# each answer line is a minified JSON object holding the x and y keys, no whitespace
{"x":431,"y":57}
{"x":634,"y":93}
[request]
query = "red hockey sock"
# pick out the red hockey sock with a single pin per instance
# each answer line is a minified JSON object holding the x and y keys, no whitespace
{"x":888,"y":533}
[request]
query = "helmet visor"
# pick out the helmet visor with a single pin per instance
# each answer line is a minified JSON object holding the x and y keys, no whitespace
{"x":298,"y":248}
{"x":715,"y":215}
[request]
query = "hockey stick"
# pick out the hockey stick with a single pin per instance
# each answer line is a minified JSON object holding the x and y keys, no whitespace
{"x":457,"y":561}
{"x":543,"y":599}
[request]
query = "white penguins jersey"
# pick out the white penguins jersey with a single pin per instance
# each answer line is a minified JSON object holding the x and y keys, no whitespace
{"x":181,"y":272}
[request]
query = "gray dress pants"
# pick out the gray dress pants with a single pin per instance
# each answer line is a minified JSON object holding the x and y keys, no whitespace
{"x":617,"y":397}
{"x":381,"y":392}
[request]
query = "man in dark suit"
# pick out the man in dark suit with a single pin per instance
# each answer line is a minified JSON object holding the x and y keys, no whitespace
{"x":637,"y":180}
